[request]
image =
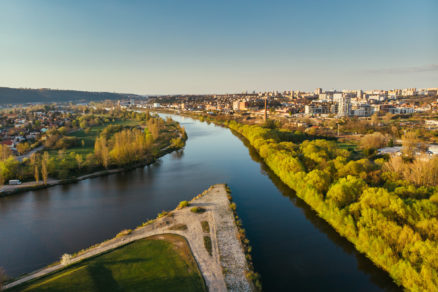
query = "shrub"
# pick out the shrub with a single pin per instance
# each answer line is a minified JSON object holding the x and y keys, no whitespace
{"x":205,"y":226}
{"x":208,"y":245}
{"x":183,"y":204}
{"x":197,"y":210}
{"x":178,"y":227}
{"x":162,"y":214}
{"x":124,"y":232}
{"x":66,"y":259}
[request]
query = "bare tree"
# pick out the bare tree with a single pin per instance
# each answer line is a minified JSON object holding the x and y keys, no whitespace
{"x":375,"y":140}
{"x":409,"y":142}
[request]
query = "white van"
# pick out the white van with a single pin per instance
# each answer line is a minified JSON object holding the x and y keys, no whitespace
{"x":14,"y":182}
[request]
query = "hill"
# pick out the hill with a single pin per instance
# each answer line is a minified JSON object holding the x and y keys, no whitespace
{"x":45,"y":95}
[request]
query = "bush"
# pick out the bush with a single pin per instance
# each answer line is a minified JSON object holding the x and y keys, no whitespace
{"x":197,"y":210}
{"x":178,"y":227}
{"x":205,"y":226}
{"x":162,"y":214}
{"x":183,"y":204}
{"x":208,"y":245}
{"x":124,"y":232}
{"x":66,"y":259}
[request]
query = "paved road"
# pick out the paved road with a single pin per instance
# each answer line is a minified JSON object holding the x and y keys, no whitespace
{"x":28,"y":154}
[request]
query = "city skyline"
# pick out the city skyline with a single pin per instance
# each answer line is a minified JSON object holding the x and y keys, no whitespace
{"x":202,"y":48}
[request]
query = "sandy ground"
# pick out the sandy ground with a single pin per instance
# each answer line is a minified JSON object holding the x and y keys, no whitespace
{"x":227,"y":253}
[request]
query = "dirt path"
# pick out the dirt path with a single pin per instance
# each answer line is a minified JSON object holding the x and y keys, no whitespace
{"x":227,"y":252}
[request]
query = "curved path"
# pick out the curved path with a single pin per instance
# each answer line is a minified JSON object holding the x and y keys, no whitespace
{"x":227,"y":252}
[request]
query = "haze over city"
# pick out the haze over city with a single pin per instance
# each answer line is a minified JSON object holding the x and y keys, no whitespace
{"x":169,"y":47}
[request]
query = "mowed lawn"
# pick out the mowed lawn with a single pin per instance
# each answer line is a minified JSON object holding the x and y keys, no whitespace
{"x":158,"y":263}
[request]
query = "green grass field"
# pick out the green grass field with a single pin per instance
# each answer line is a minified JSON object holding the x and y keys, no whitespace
{"x":90,"y":137}
{"x":159,"y":263}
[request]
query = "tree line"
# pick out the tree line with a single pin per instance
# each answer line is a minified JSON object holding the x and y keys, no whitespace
{"x":116,"y":146}
{"x":393,"y":220}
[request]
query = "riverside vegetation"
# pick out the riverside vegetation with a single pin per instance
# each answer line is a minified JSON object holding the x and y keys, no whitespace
{"x":375,"y":202}
{"x":112,"y":140}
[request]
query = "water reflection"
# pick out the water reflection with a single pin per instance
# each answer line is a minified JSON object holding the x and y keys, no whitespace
{"x":377,"y":276}
{"x":292,"y":247}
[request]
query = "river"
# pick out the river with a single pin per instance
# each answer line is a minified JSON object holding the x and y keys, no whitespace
{"x":293,"y":249}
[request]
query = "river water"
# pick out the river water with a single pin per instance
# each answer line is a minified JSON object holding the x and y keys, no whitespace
{"x":293,"y":249}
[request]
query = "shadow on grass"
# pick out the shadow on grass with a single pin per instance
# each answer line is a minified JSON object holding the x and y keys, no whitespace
{"x":102,"y":278}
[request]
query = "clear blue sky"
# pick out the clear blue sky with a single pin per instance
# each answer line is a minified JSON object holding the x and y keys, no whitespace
{"x":208,"y":46}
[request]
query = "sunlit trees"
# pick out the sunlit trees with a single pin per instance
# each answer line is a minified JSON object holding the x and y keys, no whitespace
{"x":346,"y":191}
{"x":23,"y":147}
{"x":409,"y":142}
{"x":422,"y":170}
{"x":5,"y":152}
{"x":388,"y":210}
{"x":375,"y":140}
{"x":44,"y":167}
{"x":129,"y":145}
{"x":8,"y":169}
{"x":101,"y":151}
{"x":34,"y":162}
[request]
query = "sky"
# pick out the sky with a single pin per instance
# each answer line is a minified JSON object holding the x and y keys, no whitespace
{"x":222,"y":46}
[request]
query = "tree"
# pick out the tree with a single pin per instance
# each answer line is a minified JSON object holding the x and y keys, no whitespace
{"x":101,"y":151}
{"x":409,"y":143}
{"x":44,"y":167}
{"x":79,"y":160}
{"x":375,"y":140}
{"x":5,"y":152}
{"x":23,"y":147}
{"x":346,"y":190}
{"x":34,"y":159}
{"x":375,"y":119}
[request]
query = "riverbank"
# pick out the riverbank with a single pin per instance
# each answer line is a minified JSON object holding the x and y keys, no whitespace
{"x":8,"y":190}
{"x":223,"y":264}
{"x":309,"y":194}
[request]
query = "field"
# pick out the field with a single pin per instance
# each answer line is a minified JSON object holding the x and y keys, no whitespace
{"x":159,"y":263}
{"x":90,"y":136}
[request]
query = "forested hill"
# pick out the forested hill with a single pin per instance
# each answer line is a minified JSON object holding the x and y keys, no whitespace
{"x":21,"y":95}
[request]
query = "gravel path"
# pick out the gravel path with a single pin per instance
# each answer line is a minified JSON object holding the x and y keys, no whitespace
{"x":227,"y":252}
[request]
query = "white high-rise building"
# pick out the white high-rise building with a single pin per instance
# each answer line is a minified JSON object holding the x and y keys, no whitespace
{"x":344,"y":106}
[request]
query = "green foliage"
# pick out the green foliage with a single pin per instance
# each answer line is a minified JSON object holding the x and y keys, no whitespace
{"x":346,"y":191}
{"x":197,"y":209}
{"x":394,"y":222}
{"x":124,"y":233}
{"x":183,"y":204}
{"x":162,"y":214}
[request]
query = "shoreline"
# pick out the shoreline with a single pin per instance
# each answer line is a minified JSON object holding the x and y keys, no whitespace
{"x":223,"y":267}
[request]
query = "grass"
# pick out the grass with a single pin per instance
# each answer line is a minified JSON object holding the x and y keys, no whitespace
{"x":178,"y":227}
{"x":205,"y":226}
{"x":207,"y":244}
{"x":158,"y":263}
{"x":89,"y":137}
{"x":347,"y":146}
